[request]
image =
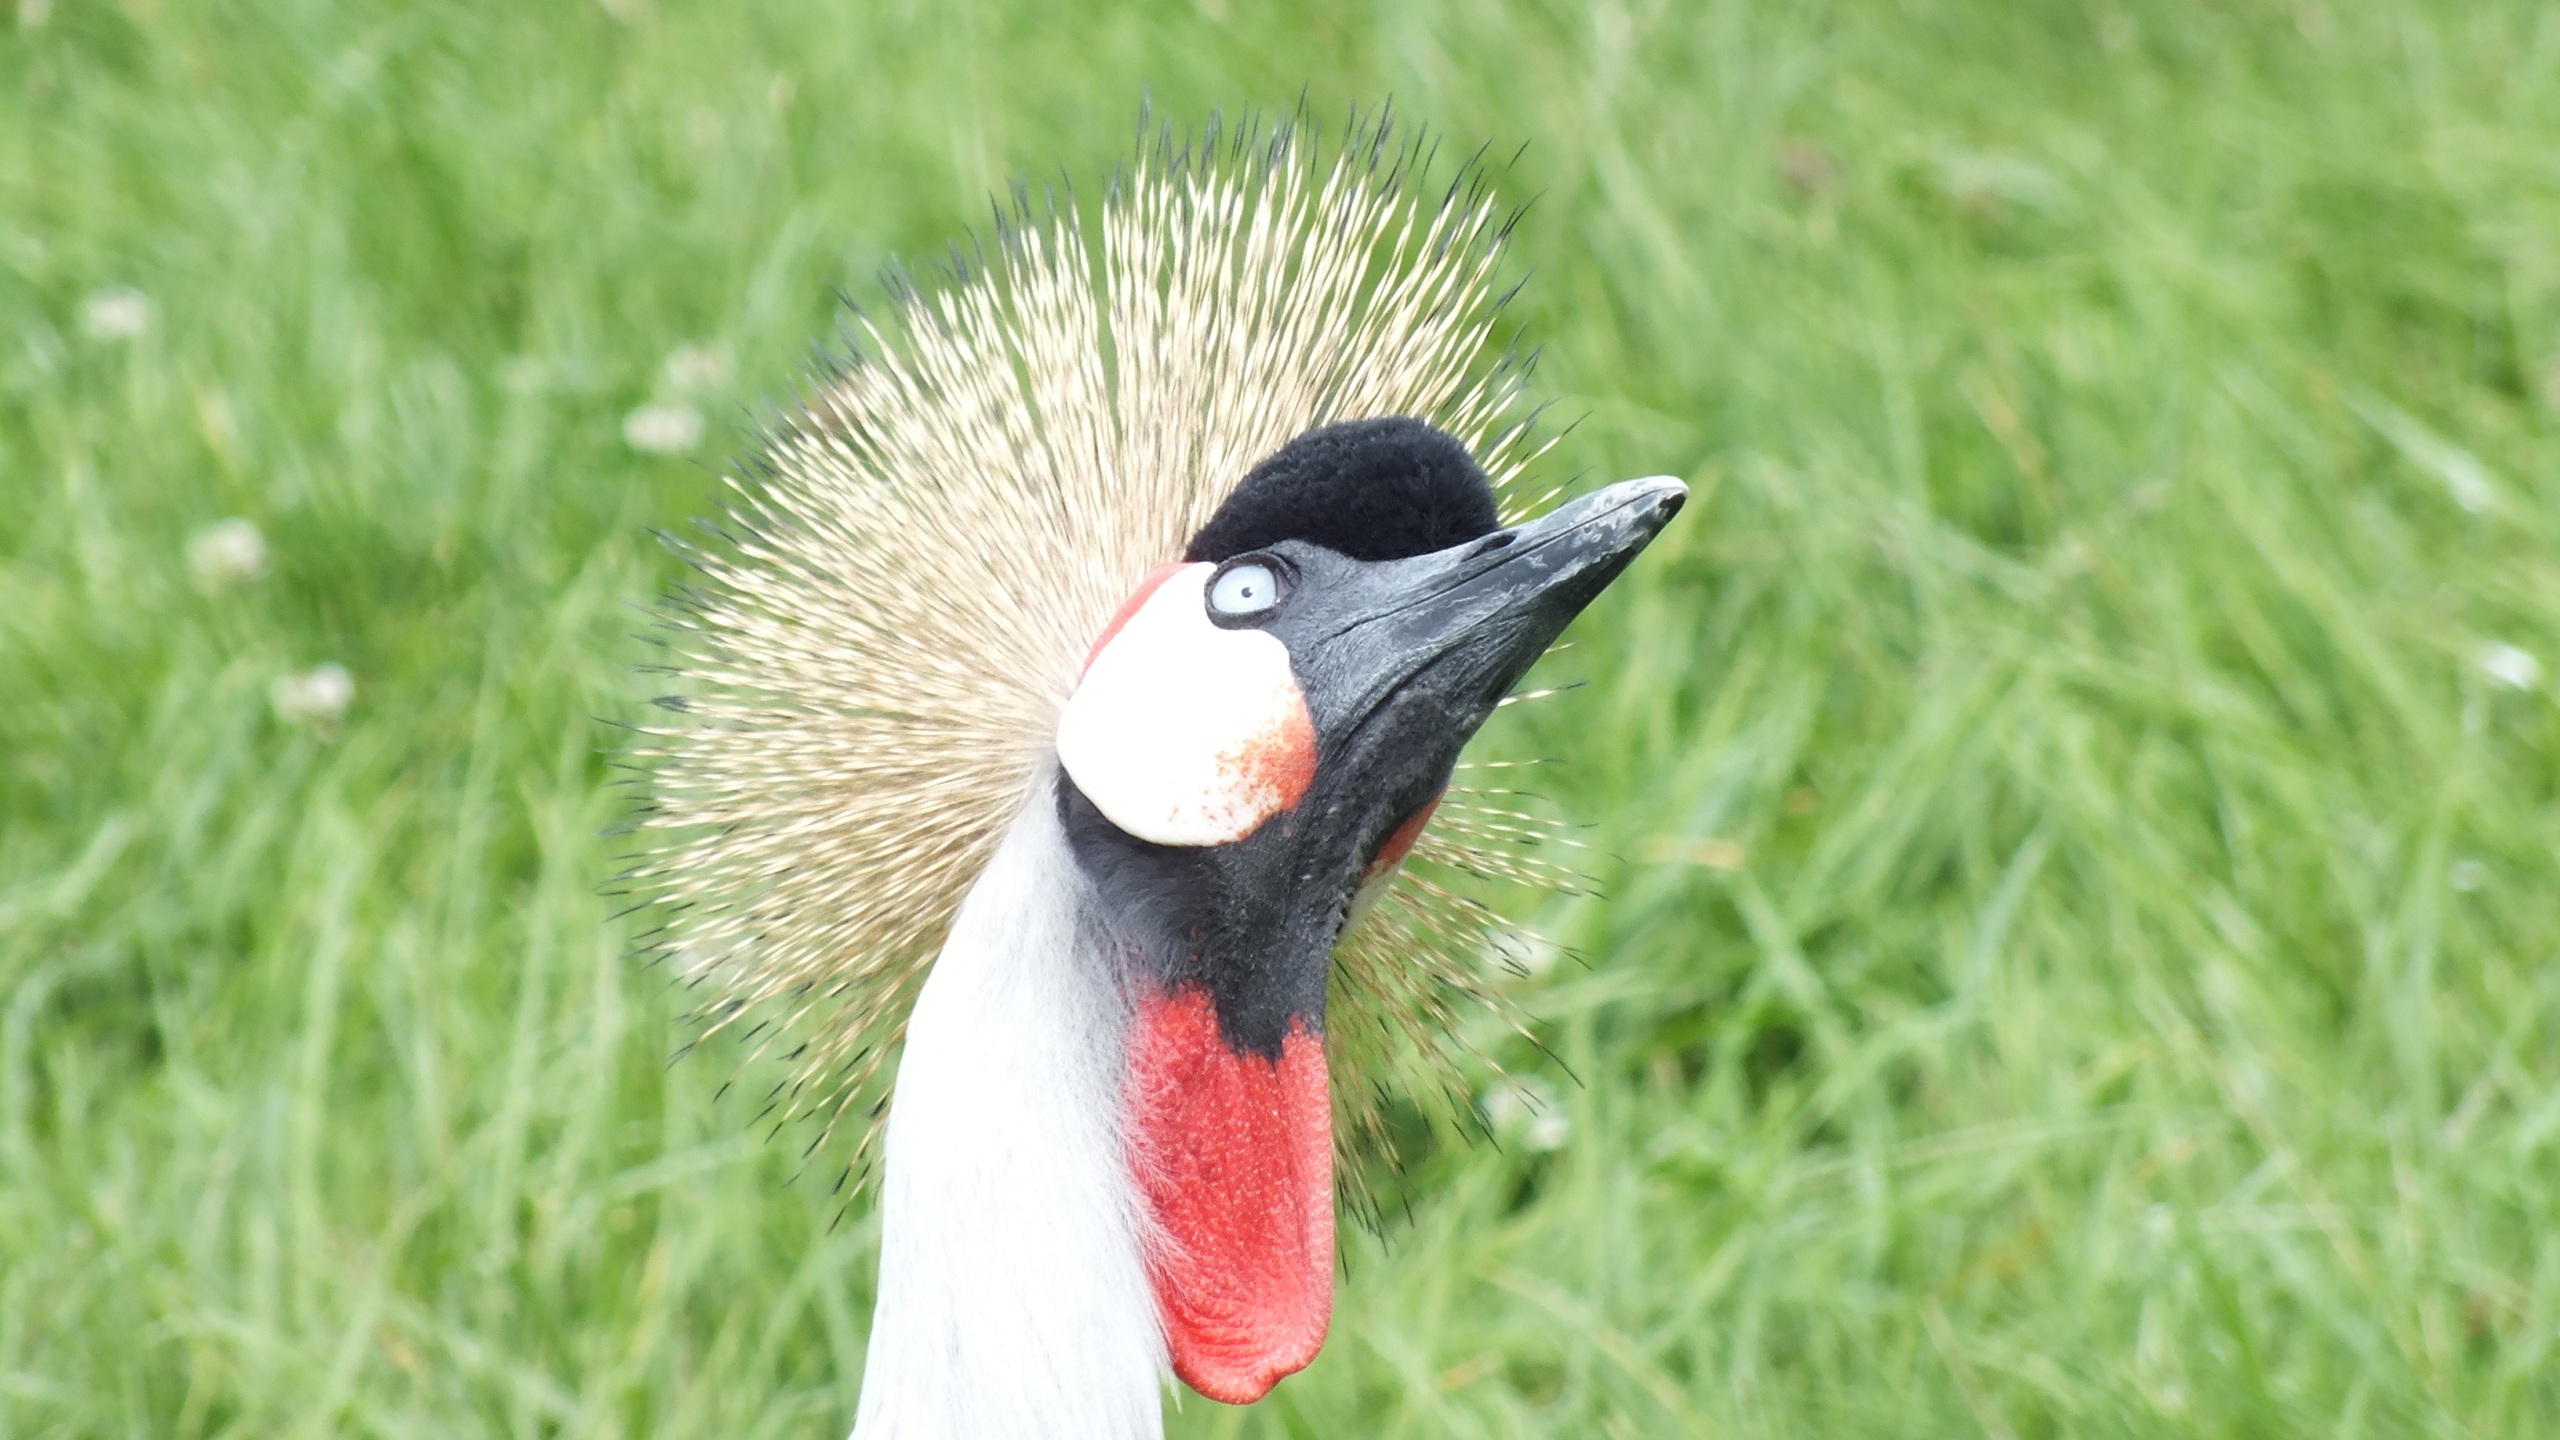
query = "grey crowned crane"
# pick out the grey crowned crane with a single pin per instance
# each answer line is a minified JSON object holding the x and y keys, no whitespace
{"x":1079,"y":667}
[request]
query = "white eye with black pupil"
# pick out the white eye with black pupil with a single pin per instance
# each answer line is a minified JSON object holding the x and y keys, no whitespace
{"x":1243,"y":590}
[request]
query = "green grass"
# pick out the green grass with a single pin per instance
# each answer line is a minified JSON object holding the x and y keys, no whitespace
{"x":2122,"y":1000}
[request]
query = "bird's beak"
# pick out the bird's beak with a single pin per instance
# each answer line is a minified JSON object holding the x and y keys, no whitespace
{"x":1454,"y":630}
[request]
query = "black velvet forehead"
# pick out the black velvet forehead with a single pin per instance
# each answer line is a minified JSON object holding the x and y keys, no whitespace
{"x":1370,"y":489}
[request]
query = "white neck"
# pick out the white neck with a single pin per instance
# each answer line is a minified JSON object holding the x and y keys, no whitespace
{"x":1013,"y":1300}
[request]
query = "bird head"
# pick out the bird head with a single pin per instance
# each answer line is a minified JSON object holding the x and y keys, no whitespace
{"x":1258,"y":737}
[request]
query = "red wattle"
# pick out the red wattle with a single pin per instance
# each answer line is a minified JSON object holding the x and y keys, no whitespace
{"x":1233,"y":1155}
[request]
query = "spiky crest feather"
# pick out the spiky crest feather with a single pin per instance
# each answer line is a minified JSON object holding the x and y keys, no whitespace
{"x":886,"y":625}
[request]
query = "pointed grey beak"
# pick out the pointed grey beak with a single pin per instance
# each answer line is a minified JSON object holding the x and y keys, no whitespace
{"x":1465,"y":623}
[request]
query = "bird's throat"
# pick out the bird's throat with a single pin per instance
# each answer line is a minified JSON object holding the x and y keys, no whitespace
{"x":1014,"y":1300}
{"x":1231,"y":1152}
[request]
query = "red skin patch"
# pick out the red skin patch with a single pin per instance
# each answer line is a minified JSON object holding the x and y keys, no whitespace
{"x":1234,"y":1157}
{"x":1272,"y":772}
{"x":1400,"y":841}
{"x":1128,"y":607}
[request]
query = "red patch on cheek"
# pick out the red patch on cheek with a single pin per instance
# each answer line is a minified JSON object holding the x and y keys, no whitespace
{"x":1400,"y":841}
{"x":1128,"y":607}
{"x":1271,"y":772}
{"x":1233,"y":1155}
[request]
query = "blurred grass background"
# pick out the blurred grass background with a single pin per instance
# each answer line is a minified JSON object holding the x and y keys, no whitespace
{"x":2076,"y":790}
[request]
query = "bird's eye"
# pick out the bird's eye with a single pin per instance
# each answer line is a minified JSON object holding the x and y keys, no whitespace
{"x":1244,"y":590}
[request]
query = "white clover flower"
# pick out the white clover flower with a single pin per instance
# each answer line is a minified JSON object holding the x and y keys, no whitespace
{"x":2516,"y":669}
{"x":117,"y":312}
{"x":1549,"y":1132}
{"x":317,"y":696}
{"x":662,"y":429}
{"x":1526,"y":1108}
{"x":1507,"y":1103}
{"x":226,"y":552}
{"x":699,"y":365}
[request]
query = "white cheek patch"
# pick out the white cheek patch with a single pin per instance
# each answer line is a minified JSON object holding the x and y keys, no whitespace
{"x":1182,"y":733}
